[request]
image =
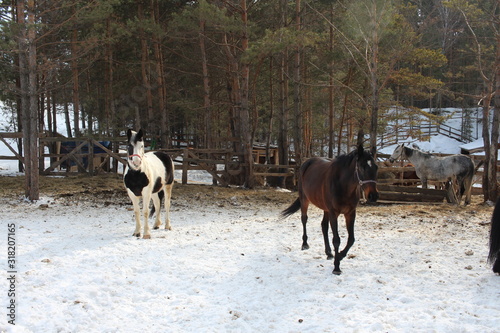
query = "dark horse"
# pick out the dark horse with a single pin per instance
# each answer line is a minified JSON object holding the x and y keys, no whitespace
{"x":494,"y":255}
{"x":335,"y":186}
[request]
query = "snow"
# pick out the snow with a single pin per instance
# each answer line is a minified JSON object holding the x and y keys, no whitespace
{"x":238,"y":268}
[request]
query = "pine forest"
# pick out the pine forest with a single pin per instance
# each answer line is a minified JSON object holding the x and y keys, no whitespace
{"x":310,"y":77}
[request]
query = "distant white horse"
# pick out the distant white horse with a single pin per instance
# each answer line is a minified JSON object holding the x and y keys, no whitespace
{"x":147,"y":175}
{"x":459,"y":168}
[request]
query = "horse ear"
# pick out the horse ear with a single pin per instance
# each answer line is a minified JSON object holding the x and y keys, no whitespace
{"x":129,"y":134}
{"x":139,"y":135}
{"x":360,"y":150}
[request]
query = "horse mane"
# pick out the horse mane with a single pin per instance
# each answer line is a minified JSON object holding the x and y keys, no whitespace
{"x":409,"y":152}
{"x":345,"y":160}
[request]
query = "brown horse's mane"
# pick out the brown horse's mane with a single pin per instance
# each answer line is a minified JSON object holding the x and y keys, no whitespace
{"x":345,"y":160}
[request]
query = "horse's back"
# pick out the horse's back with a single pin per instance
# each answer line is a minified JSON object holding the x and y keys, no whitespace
{"x":443,"y":168}
{"x":160,"y":165}
{"x":314,"y":180}
{"x":168,"y":164}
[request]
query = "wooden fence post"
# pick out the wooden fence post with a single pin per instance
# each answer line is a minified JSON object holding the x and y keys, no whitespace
{"x":185,"y":166}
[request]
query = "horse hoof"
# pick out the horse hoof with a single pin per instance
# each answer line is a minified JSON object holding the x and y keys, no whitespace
{"x":137,"y":235}
{"x":329,"y":257}
{"x":335,"y":272}
{"x":156,"y":227}
{"x":146,"y":237}
{"x":168,"y":228}
{"x":305,"y":247}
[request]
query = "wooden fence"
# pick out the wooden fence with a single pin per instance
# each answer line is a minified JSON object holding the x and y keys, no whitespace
{"x":93,"y":156}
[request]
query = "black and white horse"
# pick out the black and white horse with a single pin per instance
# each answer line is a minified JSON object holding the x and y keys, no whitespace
{"x":459,"y":168}
{"x":147,"y":175}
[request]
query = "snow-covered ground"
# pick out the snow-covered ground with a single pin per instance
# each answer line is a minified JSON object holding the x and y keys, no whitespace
{"x":236,"y":267}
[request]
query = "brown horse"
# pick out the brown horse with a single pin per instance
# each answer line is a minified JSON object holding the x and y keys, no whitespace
{"x":335,"y":186}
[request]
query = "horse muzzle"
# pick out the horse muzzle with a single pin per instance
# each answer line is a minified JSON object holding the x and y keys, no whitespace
{"x":371,"y":193}
{"x":134,"y":161}
{"x":391,"y":160}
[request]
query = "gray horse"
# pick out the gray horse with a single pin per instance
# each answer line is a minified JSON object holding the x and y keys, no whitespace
{"x":459,"y":168}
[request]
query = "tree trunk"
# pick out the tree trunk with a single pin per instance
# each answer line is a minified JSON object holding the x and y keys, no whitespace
{"x":331,"y":102}
{"x":492,"y":172}
{"x":374,"y":85}
{"x":246,"y":136}
{"x":298,"y":123}
{"x":160,"y":80}
{"x":150,"y":125}
{"x":76,"y":85}
{"x":271,"y":112}
{"x":283,"y":144}
{"x":29,"y":101}
{"x":206,"y":88}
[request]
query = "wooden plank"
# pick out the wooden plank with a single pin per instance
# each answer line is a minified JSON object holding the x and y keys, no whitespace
{"x":10,"y":158}
{"x":18,"y":157}
{"x":109,"y":152}
{"x":407,"y":197}
{"x":410,"y":194}
{"x":271,"y":174}
{"x":410,"y":189}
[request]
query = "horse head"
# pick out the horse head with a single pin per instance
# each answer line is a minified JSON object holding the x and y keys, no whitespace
{"x":398,"y":153}
{"x":135,"y":148}
{"x":366,"y":173}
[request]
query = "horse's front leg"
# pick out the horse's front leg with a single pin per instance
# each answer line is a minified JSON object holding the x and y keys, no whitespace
{"x":336,"y":243}
{"x":146,"y":199}
{"x":137,"y":214}
{"x":324,"y":229}
{"x":349,"y":220}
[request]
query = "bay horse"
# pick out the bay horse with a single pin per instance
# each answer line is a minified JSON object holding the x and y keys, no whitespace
{"x":459,"y":168}
{"x":335,"y":186}
{"x":147,"y":175}
{"x":494,"y":254}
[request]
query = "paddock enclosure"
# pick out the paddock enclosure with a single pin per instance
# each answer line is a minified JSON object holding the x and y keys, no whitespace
{"x":231,"y":264}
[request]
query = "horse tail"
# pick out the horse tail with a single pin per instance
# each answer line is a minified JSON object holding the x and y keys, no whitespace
{"x":292,"y":209}
{"x":161,"y":195}
{"x":494,"y":255}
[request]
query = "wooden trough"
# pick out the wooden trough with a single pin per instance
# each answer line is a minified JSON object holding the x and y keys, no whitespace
{"x":395,"y":193}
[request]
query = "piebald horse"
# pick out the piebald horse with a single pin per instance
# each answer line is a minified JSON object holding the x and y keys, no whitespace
{"x":147,"y":175}
{"x":335,"y":186}
{"x":442,"y":169}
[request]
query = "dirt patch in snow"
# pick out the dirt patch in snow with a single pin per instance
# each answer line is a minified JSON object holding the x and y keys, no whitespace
{"x":109,"y":190}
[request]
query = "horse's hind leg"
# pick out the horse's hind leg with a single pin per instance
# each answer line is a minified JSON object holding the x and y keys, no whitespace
{"x":168,"y":196}
{"x":145,"y":209}
{"x":305,"y":205}
{"x":157,"y":204}
{"x":324,"y":229}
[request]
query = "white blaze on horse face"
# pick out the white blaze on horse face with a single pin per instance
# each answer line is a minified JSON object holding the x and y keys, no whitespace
{"x":136,"y":154}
